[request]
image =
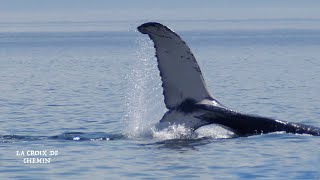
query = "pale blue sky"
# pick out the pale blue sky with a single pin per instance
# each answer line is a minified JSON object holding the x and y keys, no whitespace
{"x":99,"y":10}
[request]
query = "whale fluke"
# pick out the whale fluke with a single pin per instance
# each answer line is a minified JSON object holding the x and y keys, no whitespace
{"x":180,"y":73}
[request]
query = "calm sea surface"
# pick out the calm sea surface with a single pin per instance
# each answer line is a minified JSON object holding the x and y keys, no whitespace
{"x":89,"y":99}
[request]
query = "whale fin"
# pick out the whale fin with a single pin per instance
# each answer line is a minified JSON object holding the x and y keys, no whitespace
{"x":180,"y":73}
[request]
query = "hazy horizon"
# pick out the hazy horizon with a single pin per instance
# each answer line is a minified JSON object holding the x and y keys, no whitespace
{"x":110,"y":15}
{"x":106,"y":10}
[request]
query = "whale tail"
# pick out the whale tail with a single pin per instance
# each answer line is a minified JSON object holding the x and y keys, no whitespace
{"x":182,"y":80}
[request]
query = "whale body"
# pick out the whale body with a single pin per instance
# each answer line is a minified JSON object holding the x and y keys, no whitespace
{"x":187,"y":98}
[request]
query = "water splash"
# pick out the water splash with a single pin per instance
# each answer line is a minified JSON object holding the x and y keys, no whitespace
{"x":144,"y":101}
{"x":174,"y":132}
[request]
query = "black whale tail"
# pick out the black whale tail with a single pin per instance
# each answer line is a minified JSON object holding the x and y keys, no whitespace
{"x":245,"y":124}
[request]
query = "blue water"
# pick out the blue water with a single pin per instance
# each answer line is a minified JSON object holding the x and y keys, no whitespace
{"x":94,"y":96}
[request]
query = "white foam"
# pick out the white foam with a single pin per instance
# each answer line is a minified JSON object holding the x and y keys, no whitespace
{"x":76,"y":138}
{"x":173,"y":132}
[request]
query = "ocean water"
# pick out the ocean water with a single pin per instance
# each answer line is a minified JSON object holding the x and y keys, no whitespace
{"x":89,"y":99}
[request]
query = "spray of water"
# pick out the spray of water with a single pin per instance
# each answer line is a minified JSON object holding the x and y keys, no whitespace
{"x":144,"y":100}
{"x":173,"y":132}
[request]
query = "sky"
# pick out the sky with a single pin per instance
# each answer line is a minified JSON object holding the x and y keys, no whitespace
{"x":108,"y":10}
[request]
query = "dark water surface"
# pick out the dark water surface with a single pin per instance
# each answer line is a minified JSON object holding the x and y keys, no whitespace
{"x":92,"y":97}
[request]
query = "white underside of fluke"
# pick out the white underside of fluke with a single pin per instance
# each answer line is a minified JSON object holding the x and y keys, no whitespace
{"x":188,"y":120}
